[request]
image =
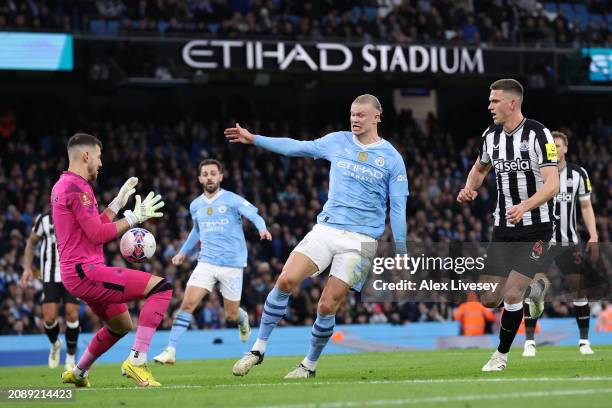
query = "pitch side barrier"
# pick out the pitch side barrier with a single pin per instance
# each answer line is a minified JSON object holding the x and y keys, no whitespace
{"x":447,"y":272}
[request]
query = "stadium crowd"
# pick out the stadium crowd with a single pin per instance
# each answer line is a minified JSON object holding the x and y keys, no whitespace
{"x":288,"y":193}
{"x":497,"y":22}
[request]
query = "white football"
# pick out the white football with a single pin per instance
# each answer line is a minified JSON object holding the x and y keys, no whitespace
{"x":137,"y":245}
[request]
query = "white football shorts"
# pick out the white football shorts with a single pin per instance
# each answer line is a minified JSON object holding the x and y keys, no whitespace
{"x":349,"y":253}
{"x":205,"y":276}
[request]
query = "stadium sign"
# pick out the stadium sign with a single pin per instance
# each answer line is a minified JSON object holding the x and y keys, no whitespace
{"x":332,"y":57}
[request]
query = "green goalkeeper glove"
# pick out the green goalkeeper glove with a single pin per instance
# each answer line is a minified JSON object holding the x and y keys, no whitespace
{"x":125,"y":192}
{"x":145,"y":209}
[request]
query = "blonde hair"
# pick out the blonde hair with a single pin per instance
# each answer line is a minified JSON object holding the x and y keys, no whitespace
{"x":560,"y":135}
{"x":371,"y":99}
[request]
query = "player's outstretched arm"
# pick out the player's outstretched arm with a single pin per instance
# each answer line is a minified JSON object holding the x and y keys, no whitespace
{"x":281,"y":145}
{"x":475,"y":178}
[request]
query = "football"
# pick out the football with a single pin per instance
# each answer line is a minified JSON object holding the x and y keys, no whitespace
{"x":137,"y":245}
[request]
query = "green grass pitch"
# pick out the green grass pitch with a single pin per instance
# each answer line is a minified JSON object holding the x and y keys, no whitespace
{"x":557,"y":377}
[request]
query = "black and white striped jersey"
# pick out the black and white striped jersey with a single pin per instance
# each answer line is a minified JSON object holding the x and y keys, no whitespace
{"x":49,"y":257}
{"x":517,"y":157}
{"x":574,"y":186}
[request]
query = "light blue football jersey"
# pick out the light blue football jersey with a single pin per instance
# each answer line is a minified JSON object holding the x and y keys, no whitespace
{"x":217,"y":223}
{"x":362,"y":178}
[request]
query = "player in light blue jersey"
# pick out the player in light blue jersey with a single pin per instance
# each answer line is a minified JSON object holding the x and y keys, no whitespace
{"x":366,"y":171}
{"x":217,"y":225}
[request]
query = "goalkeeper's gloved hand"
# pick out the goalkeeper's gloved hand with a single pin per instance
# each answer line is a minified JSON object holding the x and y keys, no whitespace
{"x":145,"y":209}
{"x":127,"y":189}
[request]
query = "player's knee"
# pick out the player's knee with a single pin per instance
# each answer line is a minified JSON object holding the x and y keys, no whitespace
{"x":286,"y":282}
{"x":327,"y":306}
{"x":513,"y":297}
{"x":49,"y":316}
{"x":72,"y":316}
{"x":121,"y":329}
{"x":162,"y":287}
{"x":490,"y":301}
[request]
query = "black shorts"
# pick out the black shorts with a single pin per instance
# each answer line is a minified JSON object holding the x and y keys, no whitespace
{"x":54,"y":292}
{"x":574,"y":260}
{"x":517,"y":249}
{"x":569,"y":259}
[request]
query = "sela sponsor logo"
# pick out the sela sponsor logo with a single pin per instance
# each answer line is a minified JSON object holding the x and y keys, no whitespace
{"x":359,"y":171}
{"x":504,"y":166}
{"x":563,"y":197}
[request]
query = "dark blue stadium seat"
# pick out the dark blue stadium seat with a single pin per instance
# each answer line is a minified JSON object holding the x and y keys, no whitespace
{"x":567,"y":10}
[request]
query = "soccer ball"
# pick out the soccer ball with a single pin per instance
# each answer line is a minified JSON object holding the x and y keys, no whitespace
{"x":137,"y":245}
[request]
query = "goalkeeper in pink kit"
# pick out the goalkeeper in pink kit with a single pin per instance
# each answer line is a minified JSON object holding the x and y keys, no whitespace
{"x":81,"y":232}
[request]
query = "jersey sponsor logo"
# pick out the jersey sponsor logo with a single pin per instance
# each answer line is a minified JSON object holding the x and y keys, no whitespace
{"x":563,"y":197}
{"x":496,"y":146}
{"x":222,"y":209}
{"x":360,"y":170}
{"x":402,"y":178}
{"x":504,"y":166}
{"x":85,"y":199}
{"x":524,"y":146}
{"x":209,"y":211}
{"x":216,"y":225}
{"x":551,"y":151}
{"x":362,"y":156}
{"x":380,"y":161}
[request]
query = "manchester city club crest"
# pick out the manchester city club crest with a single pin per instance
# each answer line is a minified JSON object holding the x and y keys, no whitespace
{"x":222,"y":209}
{"x":380,"y":161}
{"x":362,"y":156}
{"x":209,"y":211}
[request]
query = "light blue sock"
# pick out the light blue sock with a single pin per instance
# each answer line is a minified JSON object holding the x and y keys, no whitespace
{"x":181,"y":323}
{"x":274,"y":310}
{"x":243,"y":316}
{"x":322,"y":330}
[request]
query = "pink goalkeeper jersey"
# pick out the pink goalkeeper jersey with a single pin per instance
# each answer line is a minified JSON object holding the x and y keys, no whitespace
{"x":80,"y":230}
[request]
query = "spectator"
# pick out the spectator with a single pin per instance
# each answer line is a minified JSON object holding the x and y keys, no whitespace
{"x":473,"y":316}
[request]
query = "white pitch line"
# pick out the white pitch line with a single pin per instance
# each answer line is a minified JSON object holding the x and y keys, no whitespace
{"x":426,"y":400}
{"x":423,"y":381}
{"x":138,"y":388}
